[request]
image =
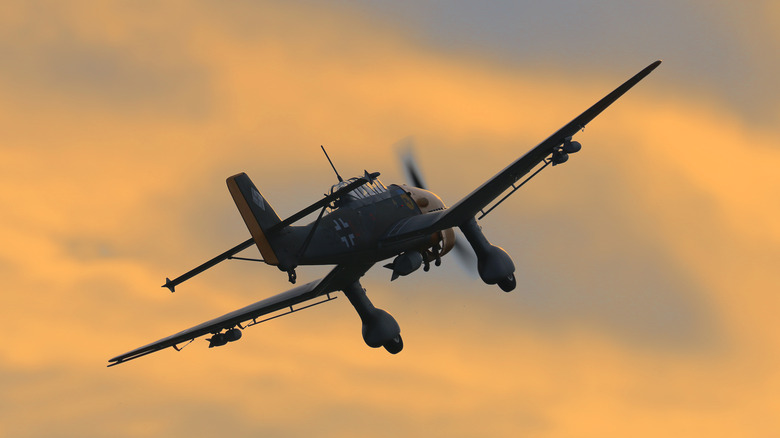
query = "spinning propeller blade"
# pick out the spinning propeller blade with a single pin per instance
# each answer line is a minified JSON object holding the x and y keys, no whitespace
{"x":465,"y":254}
{"x":410,"y":164}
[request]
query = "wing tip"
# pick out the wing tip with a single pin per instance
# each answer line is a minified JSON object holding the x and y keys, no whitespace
{"x":653,"y":65}
{"x":114,"y":361}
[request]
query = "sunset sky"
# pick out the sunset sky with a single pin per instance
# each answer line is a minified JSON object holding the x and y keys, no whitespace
{"x":648,"y":265}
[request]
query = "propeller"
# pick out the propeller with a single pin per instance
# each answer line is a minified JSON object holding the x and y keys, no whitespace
{"x":410,"y":164}
{"x":464,"y":253}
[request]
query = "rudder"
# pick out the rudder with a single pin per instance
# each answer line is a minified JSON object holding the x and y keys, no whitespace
{"x":257,"y":213}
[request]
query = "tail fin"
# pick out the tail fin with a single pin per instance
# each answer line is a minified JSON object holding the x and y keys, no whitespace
{"x":257,"y":213}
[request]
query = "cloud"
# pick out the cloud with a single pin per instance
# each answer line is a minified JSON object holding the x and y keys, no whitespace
{"x":58,"y":56}
{"x":647,"y":260}
{"x":718,"y":48}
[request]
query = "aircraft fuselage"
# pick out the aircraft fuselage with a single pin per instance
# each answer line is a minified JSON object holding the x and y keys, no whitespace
{"x":353,"y":231}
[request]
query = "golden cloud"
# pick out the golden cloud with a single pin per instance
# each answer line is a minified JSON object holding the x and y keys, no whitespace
{"x":106,"y":191}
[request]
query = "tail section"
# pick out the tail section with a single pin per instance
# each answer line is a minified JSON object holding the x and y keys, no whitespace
{"x":257,"y":213}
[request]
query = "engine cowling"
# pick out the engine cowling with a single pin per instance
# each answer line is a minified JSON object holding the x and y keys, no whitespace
{"x":446,"y":239}
{"x":442,"y":241}
{"x":426,"y":201}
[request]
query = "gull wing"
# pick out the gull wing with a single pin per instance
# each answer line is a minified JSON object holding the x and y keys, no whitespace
{"x":337,"y":279}
{"x":477,"y":200}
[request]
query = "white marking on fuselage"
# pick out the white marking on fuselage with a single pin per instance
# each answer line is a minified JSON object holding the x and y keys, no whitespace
{"x":340,"y":224}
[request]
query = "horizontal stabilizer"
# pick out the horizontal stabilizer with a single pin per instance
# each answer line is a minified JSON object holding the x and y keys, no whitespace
{"x":171,"y":284}
{"x":274,"y":225}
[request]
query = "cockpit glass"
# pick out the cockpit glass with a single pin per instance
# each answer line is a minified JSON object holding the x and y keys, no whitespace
{"x":366,"y":190}
{"x":339,"y":186}
{"x":381,"y":187}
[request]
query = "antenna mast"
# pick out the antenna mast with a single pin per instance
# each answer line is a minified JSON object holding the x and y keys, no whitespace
{"x":331,"y":164}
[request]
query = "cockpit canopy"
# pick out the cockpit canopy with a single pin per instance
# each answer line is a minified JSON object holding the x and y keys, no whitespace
{"x":368,"y":189}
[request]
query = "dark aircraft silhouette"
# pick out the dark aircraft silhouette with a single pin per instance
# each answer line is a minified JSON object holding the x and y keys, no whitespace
{"x":362,"y":222}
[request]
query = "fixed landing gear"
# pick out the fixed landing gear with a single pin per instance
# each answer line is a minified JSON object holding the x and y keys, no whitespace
{"x":395,"y":345}
{"x":379,"y":328}
{"x":493,"y":263}
{"x":508,"y":284}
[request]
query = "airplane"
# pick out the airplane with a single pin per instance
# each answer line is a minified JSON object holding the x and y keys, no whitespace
{"x":362,"y":222}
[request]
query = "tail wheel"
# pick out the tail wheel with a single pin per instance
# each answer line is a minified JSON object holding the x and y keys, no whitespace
{"x":395,"y":345}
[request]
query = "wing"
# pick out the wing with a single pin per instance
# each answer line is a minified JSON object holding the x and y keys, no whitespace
{"x":337,"y":279}
{"x":477,"y":200}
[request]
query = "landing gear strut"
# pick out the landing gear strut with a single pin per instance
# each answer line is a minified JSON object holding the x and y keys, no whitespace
{"x":493,"y":263}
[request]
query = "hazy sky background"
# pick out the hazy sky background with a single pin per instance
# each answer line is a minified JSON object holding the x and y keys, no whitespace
{"x":647,"y":265}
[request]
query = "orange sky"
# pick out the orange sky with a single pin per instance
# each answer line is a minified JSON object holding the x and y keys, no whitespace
{"x":646,"y":301}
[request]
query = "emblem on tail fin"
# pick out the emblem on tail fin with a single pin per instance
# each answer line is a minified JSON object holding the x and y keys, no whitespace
{"x":258,"y":215}
{"x":258,"y":199}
